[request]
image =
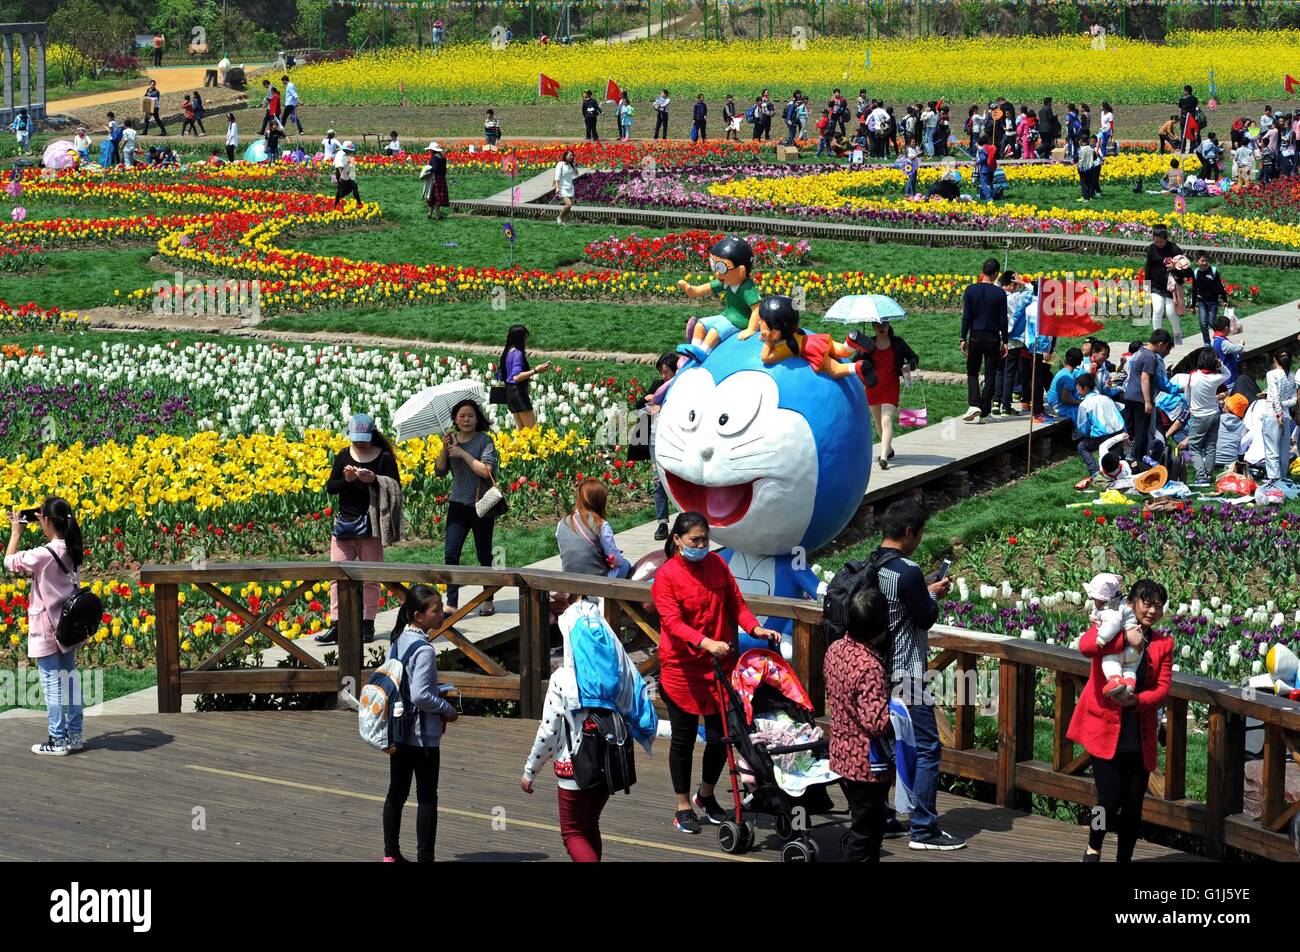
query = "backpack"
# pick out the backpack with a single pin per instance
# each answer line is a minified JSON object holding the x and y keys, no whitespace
{"x":386,"y":716}
{"x":999,"y":184}
{"x":604,"y":759}
{"x":835,"y":604}
{"x":1200,"y":117}
{"x":751,"y":114}
{"x":790,"y":113}
{"x":80,"y":614}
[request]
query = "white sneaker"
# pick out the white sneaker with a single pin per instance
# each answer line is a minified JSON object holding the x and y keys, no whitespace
{"x":972,"y":415}
{"x":75,"y":743}
{"x":51,"y":748}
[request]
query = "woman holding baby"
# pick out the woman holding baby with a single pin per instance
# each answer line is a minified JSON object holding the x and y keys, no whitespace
{"x":1120,"y":730}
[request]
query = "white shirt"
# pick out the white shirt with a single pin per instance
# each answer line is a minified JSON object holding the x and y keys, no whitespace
{"x":1201,"y":393}
{"x":878,"y":121}
{"x":1107,"y":121}
{"x":1265,"y":122}
{"x":81,"y":143}
{"x":393,"y":147}
{"x":128,"y":138}
{"x":331,"y":146}
{"x":564,"y":179}
{"x":1244,"y":157}
{"x":232,"y":134}
{"x":343,"y":165}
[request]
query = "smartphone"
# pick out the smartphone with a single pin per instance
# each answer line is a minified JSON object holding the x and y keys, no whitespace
{"x":943,"y":570}
{"x":28,"y":516}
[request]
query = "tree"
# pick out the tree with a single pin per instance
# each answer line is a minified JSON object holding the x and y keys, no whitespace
{"x":92,"y":31}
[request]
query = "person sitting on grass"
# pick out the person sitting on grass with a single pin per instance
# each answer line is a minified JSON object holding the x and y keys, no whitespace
{"x":1232,"y":430}
{"x":1097,"y":422}
{"x":394,"y":145}
{"x":1172,"y":180}
{"x":1062,"y":394}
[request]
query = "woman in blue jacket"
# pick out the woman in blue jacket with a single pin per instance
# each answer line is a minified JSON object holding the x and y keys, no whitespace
{"x":420,"y":614}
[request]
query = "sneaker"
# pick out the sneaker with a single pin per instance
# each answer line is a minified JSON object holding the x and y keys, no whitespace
{"x":75,"y":743}
{"x":1012,"y":411}
{"x":971,"y":414}
{"x":662,"y":532}
{"x":399,"y":858}
{"x":693,"y":352}
{"x":997,"y":411}
{"x":51,"y":747}
{"x":1149,"y":463}
{"x":711,"y":808}
{"x":938,"y":840}
{"x":1091,"y":857}
{"x":973,"y":419}
{"x":1084,"y":485}
{"x":685,"y":821}
{"x":368,"y":631}
{"x":330,"y":636}
{"x":894,"y":828}
{"x":1039,"y":419}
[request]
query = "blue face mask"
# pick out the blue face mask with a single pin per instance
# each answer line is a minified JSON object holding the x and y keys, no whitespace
{"x":693,"y":555}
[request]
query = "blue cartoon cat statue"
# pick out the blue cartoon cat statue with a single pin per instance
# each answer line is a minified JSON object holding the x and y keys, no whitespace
{"x":776,"y":457}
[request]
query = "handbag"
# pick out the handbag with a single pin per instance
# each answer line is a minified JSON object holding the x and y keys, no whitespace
{"x":491,"y":503}
{"x":497,"y":393}
{"x":358,"y":528}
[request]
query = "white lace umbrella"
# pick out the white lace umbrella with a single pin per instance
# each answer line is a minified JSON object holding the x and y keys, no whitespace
{"x":865,"y":309}
{"x":429,"y":411}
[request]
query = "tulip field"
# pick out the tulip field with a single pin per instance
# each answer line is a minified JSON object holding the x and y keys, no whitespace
{"x":962,"y":71}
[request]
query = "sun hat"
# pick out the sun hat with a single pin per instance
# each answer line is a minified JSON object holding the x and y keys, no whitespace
{"x":361,"y":428}
{"x":433,"y":147}
{"x":329,"y":132}
{"x":1151,"y":480}
{"x":349,"y":146}
{"x":1104,"y":586}
{"x":1236,"y":404}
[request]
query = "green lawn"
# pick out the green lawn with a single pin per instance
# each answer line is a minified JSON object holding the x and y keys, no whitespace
{"x":116,"y":682}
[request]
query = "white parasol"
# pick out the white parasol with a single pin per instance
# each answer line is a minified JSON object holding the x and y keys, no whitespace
{"x":865,"y":309}
{"x":429,"y":411}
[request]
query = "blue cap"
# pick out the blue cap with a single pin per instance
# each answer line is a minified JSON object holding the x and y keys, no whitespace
{"x":361,"y":428}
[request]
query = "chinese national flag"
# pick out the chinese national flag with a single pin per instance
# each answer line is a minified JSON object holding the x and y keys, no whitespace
{"x":1291,"y":84}
{"x":1192,"y":127}
{"x":612,"y":92}
{"x":1063,"y":309}
{"x":547,"y":86}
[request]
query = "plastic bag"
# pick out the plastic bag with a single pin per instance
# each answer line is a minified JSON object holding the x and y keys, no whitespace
{"x":1113,"y":497}
{"x":1234,"y":325}
{"x":1173,"y":488}
{"x":1237,"y":485}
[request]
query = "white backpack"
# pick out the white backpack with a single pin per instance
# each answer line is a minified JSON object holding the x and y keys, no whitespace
{"x":386,"y":713}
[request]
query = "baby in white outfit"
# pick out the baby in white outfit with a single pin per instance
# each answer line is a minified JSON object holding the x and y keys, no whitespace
{"x":1114,"y":618}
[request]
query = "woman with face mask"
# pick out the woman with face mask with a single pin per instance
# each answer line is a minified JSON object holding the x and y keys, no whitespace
{"x":700,"y":609}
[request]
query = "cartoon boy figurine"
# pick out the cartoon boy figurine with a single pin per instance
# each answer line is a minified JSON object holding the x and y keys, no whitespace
{"x":730,"y":261}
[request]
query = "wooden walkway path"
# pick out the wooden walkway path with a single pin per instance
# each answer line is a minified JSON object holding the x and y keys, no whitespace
{"x":302,"y":786}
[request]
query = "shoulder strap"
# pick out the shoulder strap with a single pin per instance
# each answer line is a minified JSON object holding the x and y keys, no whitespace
{"x":55,"y":555}
{"x":577,"y":524}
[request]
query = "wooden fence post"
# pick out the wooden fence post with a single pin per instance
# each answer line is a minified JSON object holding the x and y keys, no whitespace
{"x":534,"y":649}
{"x":349,"y":632}
{"x":964,"y":710}
{"x":166,"y":613}
{"x":808,"y":656}
{"x":1015,"y":728}
{"x":1225,"y":770}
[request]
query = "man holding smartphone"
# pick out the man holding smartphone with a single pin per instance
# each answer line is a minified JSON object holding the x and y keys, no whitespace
{"x":913,"y":610}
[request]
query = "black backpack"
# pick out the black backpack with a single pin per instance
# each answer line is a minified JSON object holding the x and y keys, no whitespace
{"x":81,"y":614}
{"x":835,"y":604}
{"x":604,"y":759}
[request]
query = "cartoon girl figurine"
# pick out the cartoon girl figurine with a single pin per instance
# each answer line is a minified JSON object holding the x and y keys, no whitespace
{"x":778,"y":323}
{"x":730,"y":261}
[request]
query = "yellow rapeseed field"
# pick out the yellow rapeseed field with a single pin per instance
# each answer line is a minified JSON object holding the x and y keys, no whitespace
{"x":1247,"y":65}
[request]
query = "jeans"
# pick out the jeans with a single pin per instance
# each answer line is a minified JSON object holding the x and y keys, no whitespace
{"x":461,"y":520}
{"x":661,"y":495}
{"x":985,"y":184}
{"x":1087,"y":448}
{"x":422,"y":763}
{"x":1008,"y":377}
{"x":867,"y":823}
{"x":1207,"y":311}
{"x":928,"y":144}
{"x":986,"y":349}
{"x":1138,"y":423}
{"x":925,"y":788}
{"x":1121,"y":789}
{"x":792,"y":130}
{"x":580,"y":822}
{"x":1162,"y":305}
{"x":62,"y":687}
{"x":1203,"y":444}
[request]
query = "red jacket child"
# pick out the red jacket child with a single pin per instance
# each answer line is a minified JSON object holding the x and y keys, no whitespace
{"x":1096,"y":722}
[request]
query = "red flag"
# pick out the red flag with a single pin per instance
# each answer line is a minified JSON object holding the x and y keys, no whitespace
{"x":547,"y":86}
{"x":612,"y":92}
{"x":1191,"y":127}
{"x":1063,"y":309}
{"x":1291,"y":84}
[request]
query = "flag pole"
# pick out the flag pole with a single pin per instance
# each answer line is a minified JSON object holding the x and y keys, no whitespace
{"x":1033,"y":393}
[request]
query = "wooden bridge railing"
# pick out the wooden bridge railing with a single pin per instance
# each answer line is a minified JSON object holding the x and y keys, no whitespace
{"x":1011,"y":768}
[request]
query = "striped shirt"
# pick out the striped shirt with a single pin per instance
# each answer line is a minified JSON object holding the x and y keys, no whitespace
{"x":912,"y":612}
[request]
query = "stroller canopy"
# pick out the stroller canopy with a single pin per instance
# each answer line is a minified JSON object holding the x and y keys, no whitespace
{"x":760,"y":666}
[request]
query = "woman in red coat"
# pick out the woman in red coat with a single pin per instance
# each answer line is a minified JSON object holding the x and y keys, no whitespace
{"x":1121,"y":736}
{"x":700,"y":608}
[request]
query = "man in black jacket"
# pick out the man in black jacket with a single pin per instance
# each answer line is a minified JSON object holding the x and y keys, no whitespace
{"x":983,"y":339}
{"x":1049,"y":129}
{"x":590,"y":112}
{"x":1187,"y":107}
{"x":701,"y":117}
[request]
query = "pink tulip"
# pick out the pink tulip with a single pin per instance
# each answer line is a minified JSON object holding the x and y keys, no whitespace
{"x":19,"y":213}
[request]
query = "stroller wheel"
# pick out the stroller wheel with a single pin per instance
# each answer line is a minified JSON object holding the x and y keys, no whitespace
{"x":747,"y":836}
{"x":784,"y":826}
{"x":731,"y":838}
{"x":844,"y":845}
{"x":798,"y":852}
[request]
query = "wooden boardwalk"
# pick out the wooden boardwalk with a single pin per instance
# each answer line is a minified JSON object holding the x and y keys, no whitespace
{"x":302,"y":786}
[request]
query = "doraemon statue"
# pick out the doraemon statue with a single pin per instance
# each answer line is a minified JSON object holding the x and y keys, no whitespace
{"x":776,"y":457}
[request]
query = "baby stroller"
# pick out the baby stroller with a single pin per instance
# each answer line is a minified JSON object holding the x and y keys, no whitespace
{"x":764,"y":689}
